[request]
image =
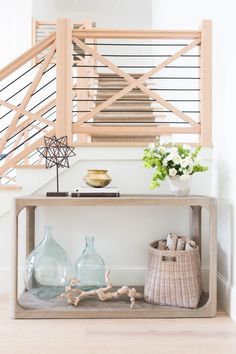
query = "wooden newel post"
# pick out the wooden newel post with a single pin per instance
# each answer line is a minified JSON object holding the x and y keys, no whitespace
{"x":64,"y":79}
{"x":206,"y":83}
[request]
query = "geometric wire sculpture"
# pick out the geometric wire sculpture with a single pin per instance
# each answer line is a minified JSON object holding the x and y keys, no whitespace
{"x":57,"y":153}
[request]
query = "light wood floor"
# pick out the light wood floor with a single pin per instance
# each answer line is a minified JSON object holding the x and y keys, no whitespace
{"x":177,"y":336}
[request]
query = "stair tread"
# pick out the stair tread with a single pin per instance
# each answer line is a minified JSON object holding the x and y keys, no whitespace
{"x":128,"y":95}
{"x":115,"y":83}
{"x":124,"y":116}
{"x":115,"y":75}
{"x":131,"y":108}
{"x":132,"y":104}
{"x":124,"y":121}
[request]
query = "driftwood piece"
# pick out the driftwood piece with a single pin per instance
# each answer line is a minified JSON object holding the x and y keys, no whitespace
{"x":75,"y":295}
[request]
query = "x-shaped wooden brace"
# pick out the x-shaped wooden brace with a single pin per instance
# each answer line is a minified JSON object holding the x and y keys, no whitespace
{"x":26,"y":99}
{"x":133,"y":83}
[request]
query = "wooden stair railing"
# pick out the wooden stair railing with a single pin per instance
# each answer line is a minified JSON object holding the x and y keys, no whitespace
{"x":105,"y":87}
{"x":24,"y":123}
{"x":30,"y":110}
{"x":185,"y":107}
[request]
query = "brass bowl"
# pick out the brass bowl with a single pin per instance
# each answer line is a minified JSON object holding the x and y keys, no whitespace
{"x":97,"y":178}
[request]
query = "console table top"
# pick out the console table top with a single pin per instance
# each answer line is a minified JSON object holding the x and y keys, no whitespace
{"x":125,"y":200}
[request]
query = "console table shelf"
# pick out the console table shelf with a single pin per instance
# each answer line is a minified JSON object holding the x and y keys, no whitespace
{"x":26,"y":306}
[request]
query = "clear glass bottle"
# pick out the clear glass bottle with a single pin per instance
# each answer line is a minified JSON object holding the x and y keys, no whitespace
{"x":90,"y":267}
{"x":48,"y":268}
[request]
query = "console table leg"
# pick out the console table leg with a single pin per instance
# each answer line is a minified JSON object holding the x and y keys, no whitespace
{"x":196,"y":223}
{"x":30,"y":229}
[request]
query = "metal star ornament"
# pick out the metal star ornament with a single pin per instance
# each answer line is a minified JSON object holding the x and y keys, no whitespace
{"x":56,"y":153}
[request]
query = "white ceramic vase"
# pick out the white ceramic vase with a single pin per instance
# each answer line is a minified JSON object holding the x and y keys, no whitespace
{"x":180,"y":187}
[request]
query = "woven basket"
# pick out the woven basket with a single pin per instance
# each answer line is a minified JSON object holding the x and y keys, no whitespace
{"x":173,"y":277}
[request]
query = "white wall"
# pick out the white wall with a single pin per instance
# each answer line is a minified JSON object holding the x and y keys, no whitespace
{"x":188,"y":14}
{"x":108,"y":14}
{"x":15,"y":31}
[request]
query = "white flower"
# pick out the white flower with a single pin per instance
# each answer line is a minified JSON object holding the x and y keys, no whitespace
{"x":172,"y":172}
{"x":162,"y":150}
{"x":186,"y":162}
{"x":165,"y":162}
{"x":190,"y":169}
{"x":169,"y":157}
{"x":186,"y":147}
{"x":174,"y":150}
{"x":177,"y":159}
{"x":165,"y":140}
{"x":152,"y":146}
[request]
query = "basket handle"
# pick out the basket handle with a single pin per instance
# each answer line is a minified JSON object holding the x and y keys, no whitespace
{"x":168,"y":258}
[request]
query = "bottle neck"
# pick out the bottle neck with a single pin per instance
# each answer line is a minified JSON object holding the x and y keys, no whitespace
{"x":89,"y":244}
{"x":48,"y":233}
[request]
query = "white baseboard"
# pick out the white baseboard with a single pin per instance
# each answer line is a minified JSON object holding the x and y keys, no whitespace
{"x":233,"y":303}
{"x":5,"y":280}
{"x":226,"y":294}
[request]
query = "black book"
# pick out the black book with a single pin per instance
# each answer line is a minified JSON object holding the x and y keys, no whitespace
{"x":96,"y":192}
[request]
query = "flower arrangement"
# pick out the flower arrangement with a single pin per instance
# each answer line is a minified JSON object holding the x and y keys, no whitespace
{"x":175,"y":160}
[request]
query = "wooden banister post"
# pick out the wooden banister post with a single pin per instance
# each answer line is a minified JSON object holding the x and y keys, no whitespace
{"x":64,"y":79}
{"x":206,"y":83}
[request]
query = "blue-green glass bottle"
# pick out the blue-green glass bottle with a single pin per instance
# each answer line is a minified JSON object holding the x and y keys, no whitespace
{"x":90,"y":267}
{"x":48,"y":268}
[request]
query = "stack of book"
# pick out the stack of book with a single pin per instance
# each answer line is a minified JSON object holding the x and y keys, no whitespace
{"x":96,"y":192}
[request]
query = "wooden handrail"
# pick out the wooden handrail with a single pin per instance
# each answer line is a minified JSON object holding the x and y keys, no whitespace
{"x":26,"y":56}
{"x":49,"y":22}
{"x":135,"y":34}
{"x":137,"y":131}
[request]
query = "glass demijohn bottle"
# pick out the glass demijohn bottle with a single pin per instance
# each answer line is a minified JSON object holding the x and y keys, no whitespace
{"x":90,"y":267}
{"x":48,"y":268}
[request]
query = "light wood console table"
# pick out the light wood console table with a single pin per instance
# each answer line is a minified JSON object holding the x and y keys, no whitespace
{"x":26,"y":306}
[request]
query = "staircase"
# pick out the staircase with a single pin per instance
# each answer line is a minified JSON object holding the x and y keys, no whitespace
{"x":133,"y":109}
